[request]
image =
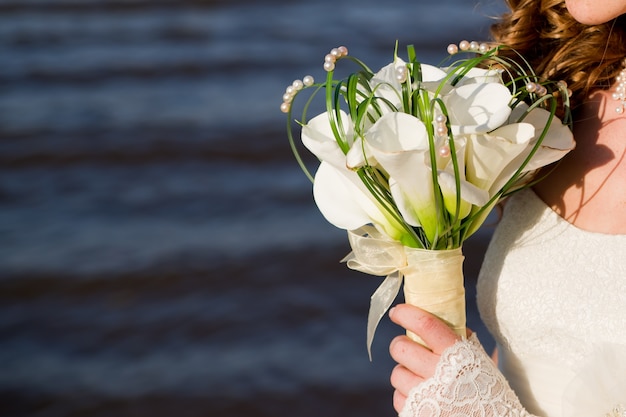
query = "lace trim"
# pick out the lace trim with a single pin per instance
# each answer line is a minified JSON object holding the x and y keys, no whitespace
{"x":466,"y":383}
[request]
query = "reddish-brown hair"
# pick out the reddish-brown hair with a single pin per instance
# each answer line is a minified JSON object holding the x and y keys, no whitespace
{"x":560,"y":48}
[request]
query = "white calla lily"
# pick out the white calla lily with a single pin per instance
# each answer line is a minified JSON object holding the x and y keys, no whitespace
{"x":481,"y":76}
{"x":317,"y":137}
{"x":389,"y":87}
{"x":346,"y":203}
{"x":360,"y":155}
{"x":478,"y":107}
{"x":432,"y":74}
{"x":339,"y":193}
{"x":381,"y":163}
{"x":489,"y":154}
{"x":399,"y":142}
{"x":447,"y":179}
{"x":470,"y":194}
{"x":340,"y":200}
{"x":558,"y":141}
{"x":386,"y":84}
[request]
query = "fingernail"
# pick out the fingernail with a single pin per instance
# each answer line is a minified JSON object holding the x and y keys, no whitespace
{"x":391,"y":311}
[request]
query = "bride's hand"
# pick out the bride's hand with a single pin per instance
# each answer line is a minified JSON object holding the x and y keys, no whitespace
{"x":415,"y":362}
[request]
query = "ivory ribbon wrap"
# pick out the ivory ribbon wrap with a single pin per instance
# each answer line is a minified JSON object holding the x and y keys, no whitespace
{"x":433,"y":279}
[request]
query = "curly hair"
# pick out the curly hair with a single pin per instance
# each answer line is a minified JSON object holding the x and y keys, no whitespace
{"x":586,"y":57}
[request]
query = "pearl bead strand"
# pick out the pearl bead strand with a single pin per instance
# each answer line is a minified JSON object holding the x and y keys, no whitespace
{"x":292,"y":90}
{"x":620,"y":91}
{"x":332,"y":57}
{"x":329,"y":65}
{"x":442,"y":131}
{"x":465,"y":46}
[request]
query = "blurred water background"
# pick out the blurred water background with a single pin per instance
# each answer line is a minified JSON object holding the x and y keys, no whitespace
{"x":160,"y":251}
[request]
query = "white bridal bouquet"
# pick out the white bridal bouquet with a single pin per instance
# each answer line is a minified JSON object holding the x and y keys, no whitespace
{"x":414,"y":157}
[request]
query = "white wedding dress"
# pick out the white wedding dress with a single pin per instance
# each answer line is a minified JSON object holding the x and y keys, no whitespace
{"x":554,"y":298}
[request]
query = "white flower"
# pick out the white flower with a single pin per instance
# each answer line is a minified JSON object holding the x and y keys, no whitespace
{"x":557,"y":142}
{"x":387,"y":85}
{"x":399,"y":143}
{"x":341,"y":196}
{"x":478,"y":107}
{"x":471,"y":195}
{"x":393,"y":163}
{"x":318,"y":138}
{"x":489,"y":154}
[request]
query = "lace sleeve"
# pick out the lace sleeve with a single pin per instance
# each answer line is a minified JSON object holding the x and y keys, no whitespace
{"x":466,"y":383}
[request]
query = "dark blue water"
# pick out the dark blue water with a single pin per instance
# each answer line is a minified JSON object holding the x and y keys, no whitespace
{"x":160,"y":251}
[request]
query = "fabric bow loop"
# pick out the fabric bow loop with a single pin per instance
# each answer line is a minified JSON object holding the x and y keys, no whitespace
{"x":375,"y":254}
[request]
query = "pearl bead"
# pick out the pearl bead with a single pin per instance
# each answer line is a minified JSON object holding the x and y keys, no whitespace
{"x":285,"y":107}
{"x":329,"y":66}
{"x":619,"y":94}
{"x":453,"y":49}
{"x":464,"y":45}
{"x":290,"y":90}
{"x":330,"y":58}
{"x":474,"y":46}
{"x":298,"y":85}
{"x":287,"y":98}
{"x":401,"y":73}
{"x":440,"y":118}
{"x":335,"y":52}
{"x":343,"y":50}
{"x":442,"y":130}
{"x":531,"y":87}
{"x":308,"y":81}
{"x":444,"y":151}
{"x":483,"y":48}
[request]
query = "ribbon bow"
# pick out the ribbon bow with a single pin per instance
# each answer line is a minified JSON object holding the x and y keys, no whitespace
{"x":376,"y":254}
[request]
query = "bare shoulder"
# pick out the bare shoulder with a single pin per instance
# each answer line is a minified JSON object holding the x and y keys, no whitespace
{"x":588,"y":188}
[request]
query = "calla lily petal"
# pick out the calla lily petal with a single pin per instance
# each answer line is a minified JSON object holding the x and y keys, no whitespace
{"x":339,"y":200}
{"x":388,"y":87}
{"x":317,"y":137}
{"x":386,"y":84}
{"x":399,"y":142}
{"x":478,"y":108}
{"x":432,"y":74}
{"x":470,"y":194}
{"x":481,"y":75}
{"x":359,"y":155}
{"x":345,"y":203}
{"x":398,"y":132}
{"x":489,"y":154}
{"x":558,"y":141}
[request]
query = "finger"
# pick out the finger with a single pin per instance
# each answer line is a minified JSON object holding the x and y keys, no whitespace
{"x":416,"y":358}
{"x":398,"y":401}
{"x":404,"y":380}
{"x":435,"y":333}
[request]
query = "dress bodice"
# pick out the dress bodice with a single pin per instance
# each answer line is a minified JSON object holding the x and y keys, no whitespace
{"x":552,"y":295}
